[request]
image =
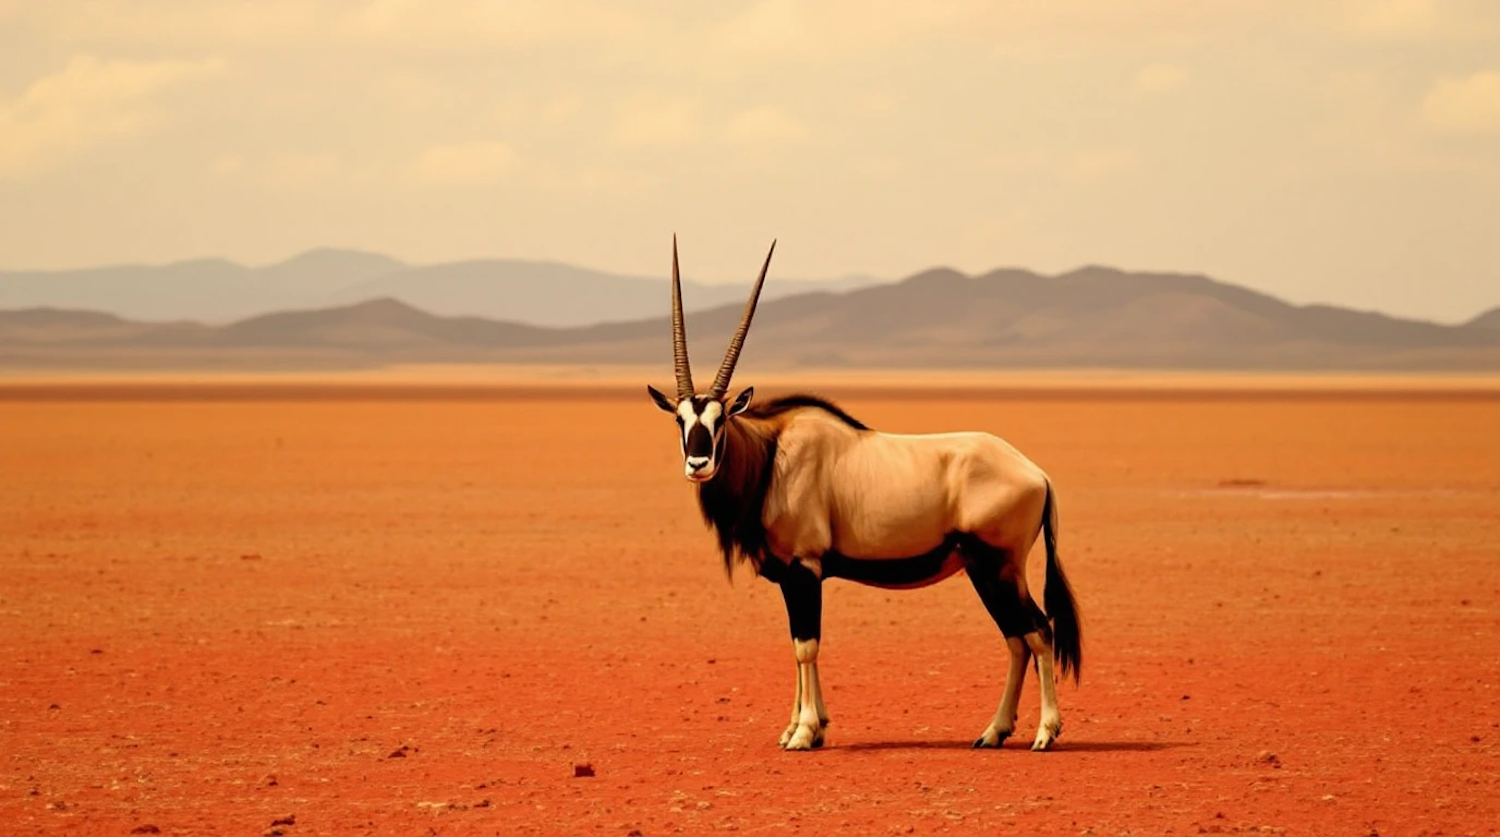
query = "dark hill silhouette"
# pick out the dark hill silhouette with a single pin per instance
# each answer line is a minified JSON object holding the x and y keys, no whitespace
{"x":1088,"y":317}
{"x":1488,"y":320}
{"x":549,"y":293}
{"x":379,"y":326}
{"x":378,"y":323}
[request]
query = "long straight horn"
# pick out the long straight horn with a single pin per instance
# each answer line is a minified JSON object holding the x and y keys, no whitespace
{"x":679,"y":333}
{"x":732,"y":356}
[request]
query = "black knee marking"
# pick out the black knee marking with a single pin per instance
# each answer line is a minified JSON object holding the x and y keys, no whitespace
{"x":1004,"y":603}
{"x":1015,"y":614}
{"x":803,"y":593}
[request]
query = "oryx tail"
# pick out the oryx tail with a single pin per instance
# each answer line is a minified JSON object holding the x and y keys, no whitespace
{"x":1067,"y":640}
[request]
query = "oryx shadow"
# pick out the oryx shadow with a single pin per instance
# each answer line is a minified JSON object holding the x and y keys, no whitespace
{"x":1018,"y":746}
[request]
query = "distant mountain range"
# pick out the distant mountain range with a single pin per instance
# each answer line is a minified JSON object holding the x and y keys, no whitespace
{"x":218,"y":291}
{"x":1489,"y":319}
{"x":1092,"y":317}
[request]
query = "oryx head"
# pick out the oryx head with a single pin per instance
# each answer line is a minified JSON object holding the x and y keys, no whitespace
{"x":701,"y":418}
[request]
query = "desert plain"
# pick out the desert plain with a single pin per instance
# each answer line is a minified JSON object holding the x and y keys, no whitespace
{"x":379,"y":605}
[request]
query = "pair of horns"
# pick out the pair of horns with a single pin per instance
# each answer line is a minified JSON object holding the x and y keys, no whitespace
{"x":737,"y":342}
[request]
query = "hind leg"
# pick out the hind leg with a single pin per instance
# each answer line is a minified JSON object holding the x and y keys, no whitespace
{"x":1040,"y":642}
{"x":1002,"y":589}
{"x":1004,"y":606}
{"x":1004,"y":723}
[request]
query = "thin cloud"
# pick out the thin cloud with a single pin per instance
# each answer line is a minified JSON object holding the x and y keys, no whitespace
{"x":1158,"y":78}
{"x":1100,"y":164}
{"x":85,"y":105}
{"x":397,"y":25}
{"x":764,"y":126}
{"x":655,"y":121}
{"x":1464,"y":106}
{"x":769,"y":26}
{"x":300,"y":171}
{"x":469,"y":164}
{"x":1425,"y":20}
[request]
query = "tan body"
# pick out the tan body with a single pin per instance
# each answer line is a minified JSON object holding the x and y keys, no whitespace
{"x":870,"y":495}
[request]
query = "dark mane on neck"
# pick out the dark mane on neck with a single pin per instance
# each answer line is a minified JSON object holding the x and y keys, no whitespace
{"x":786,"y":403}
{"x":734,"y":501}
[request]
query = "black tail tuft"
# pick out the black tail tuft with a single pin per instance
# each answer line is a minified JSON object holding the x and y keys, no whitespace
{"x":1067,"y":639}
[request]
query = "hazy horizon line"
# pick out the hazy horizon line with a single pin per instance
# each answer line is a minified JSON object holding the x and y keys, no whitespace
{"x":873,"y":279}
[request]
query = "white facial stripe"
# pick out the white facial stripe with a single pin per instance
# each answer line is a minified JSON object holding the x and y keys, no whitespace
{"x":685,"y":412}
{"x":712,"y":412}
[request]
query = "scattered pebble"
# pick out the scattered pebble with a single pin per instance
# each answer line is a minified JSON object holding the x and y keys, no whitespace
{"x":289,"y":819}
{"x":145,"y":829}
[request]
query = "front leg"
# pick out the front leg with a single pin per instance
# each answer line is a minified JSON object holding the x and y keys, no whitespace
{"x":802,"y":590}
{"x":791,"y":727}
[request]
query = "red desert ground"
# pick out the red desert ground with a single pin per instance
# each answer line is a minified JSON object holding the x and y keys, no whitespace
{"x":379,"y":604}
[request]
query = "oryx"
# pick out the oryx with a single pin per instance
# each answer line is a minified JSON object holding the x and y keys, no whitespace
{"x":805,"y":492}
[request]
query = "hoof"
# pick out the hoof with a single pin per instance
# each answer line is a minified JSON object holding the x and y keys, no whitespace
{"x":791,"y":730}
{"x":805,"y":738}
{"x":992,"y":739}
{"x":1047,"y":736}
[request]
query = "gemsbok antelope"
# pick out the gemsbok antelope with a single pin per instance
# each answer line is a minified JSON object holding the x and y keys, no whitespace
{"x":805,"y":492}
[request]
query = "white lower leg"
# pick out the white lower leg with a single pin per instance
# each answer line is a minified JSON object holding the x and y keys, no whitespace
{"x":809,"y":731}
{"x":791,"y":726}
{"x":1050,"y":725}
{"x":817,"y":683}
{"x":1004,"y":722}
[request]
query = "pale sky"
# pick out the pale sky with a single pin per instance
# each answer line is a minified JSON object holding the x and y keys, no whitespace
{"x":1333,"y":151}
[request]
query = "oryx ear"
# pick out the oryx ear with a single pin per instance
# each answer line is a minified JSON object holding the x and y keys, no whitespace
{"x":741,"y":401}
{"x":661,"y":400}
